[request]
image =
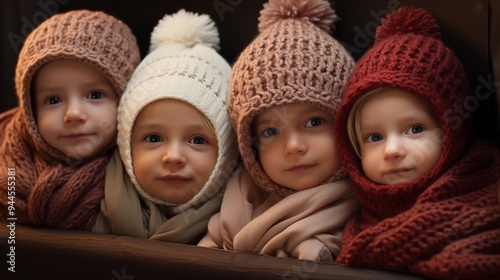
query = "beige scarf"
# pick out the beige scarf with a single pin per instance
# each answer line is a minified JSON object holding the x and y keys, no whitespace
{"x":124,"y":212}
{"x":304,"y":225}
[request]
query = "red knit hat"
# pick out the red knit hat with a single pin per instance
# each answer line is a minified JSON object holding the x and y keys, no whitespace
{"x":293,"y":60}
{"x":408,"y":54}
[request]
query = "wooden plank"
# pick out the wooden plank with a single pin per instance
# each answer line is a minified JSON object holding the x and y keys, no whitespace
{"x":67,"y":254}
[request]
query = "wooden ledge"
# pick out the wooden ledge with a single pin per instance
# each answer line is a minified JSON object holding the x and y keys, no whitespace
{"x":44,"y":253}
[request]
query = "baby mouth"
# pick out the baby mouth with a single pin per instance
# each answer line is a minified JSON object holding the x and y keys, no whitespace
{"x":78,"y":136}
{"x":397,"y":171}
{"x":300,"y":167}
{"x":174,"y":179}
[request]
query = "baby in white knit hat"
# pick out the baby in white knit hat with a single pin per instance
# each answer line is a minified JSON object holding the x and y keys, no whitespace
{"x":174,"y":135}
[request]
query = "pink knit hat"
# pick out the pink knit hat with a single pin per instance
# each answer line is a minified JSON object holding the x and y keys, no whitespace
{"x":294,"y":59}
{"x":92,"y":37}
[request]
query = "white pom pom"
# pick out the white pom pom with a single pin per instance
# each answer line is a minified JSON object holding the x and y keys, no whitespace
{"x":185,"y":28}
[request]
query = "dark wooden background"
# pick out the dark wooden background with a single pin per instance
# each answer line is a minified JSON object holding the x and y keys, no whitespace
{"x":464,"y":24}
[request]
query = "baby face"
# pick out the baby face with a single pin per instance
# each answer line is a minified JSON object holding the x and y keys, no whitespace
{"x":174,"y":150}
{"x":76,"y":108}
{"x":400,"y":137}
{"x":296,"y":145}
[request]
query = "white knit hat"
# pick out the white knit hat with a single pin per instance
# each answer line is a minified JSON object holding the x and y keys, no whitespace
{"x":182,"y":64}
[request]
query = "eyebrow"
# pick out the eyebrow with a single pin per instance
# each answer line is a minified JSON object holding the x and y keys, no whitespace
{"x":407,"y":117}
{"x":369,"y":126}
{"x":159,"y":125}
{"x":149,"y":125}
{"x":100,"y":83}
{"x":262,"y":121}
{"x":278,"y":120}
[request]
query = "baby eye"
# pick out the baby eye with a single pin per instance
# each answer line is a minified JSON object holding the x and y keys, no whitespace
{"x":96,"y":95}
{"x":153,"y":138}
{"x":314,"y":122}
{"x":198,"y":140}
{"x":53,"y":100}
{"x":374,"y":137}
{"x":270,"y":131}
{"x":415,"y":129}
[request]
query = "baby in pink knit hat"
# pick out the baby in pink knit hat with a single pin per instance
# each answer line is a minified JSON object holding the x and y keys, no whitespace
{"x":70,"y":75}
{"x":291,"y":197}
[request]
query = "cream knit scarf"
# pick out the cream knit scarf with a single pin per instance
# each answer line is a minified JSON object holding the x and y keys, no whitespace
{"x":124,"y":212}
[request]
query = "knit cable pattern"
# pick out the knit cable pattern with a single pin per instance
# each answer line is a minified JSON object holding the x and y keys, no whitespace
{"x":446,"y":233}
{"x":294,"y":59}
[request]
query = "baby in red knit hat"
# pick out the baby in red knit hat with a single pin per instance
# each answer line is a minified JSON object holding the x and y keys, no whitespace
{"x":70,"y":75}
{"x":395,"y":146}
{"x":428,"y":189}
{"x":291,"y":197}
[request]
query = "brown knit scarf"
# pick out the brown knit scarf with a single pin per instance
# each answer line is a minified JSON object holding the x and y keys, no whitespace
{"x":49,"y":191}
{"x":452,"y":230}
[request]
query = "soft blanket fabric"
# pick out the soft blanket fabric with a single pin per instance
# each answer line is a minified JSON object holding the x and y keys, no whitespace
{"x":124,"y":212}
{"x":304,"y":225}
{"x":452,"y":229}
{"x":50,"y":189}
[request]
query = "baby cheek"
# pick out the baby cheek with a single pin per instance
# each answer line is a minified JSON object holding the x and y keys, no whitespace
{"x":140,"y":168}
{"x":369,"y":163}
{"x":108,"y":126}
{"x":425,"y":154}
{"x":47,"y":126}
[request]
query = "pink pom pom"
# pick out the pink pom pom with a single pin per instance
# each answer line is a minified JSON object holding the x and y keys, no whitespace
{"x":318,"y":12}
{"x":408,"y":20}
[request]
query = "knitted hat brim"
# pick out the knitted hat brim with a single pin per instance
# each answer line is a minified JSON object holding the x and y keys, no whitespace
{"x":205,"y":103}
{"x":54,"y":53}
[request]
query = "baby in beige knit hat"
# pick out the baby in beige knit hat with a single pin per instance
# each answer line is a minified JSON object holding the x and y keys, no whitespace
{"x":176,"y":143}
{"x":291,"y":198}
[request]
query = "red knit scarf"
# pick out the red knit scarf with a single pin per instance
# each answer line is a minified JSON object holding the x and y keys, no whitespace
{"x":451,"y":231}
{"x":48,"y":192}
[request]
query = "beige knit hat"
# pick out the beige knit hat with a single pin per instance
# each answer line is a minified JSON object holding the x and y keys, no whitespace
{"x":182,"y":64}
{"x":92,"y":37}
{"x":293,"y":59}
